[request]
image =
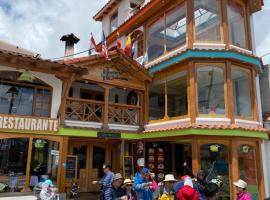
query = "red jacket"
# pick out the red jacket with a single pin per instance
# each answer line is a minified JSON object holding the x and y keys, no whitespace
{"x":187,"y":193}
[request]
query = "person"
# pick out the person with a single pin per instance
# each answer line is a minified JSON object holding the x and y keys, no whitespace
{"x":130,"y":193}
{"x":74,"y":190}
{"x":48,"y":191}
{"x":201,"y":183}
{"x":180,"y":183}
{"x":142,"y":185}
{"x":188,"y":192}
{"x":154,"y":182}
{"x":115,"y":190}
{"x":211,"y":191}
{"x":106,"y":181}
{"x":167,"y":192}
{"x":241,"y":187}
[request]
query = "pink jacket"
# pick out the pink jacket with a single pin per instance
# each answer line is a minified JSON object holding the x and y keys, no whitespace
{"x":243,"y":196}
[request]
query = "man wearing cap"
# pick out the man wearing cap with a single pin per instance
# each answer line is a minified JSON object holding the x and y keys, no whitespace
{"x":142,"y":185}
{"x":241,"y":187}
{"x":47,"y":191}
{"x":115,"y":191}
{"x":107,"y":179}
{"x":167,"y":192}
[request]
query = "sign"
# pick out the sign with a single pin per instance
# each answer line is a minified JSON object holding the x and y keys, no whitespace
{"x":55,"y":152}
{"x":128,"y":166}
{"x":108,"y":74}
{"x":108,"y":135}
{"x":10,"y":122}
{"x":71,"y":167}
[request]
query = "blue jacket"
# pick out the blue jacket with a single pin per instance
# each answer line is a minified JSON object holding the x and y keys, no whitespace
{"x":139,"y":187}
{"x":114,"y":194}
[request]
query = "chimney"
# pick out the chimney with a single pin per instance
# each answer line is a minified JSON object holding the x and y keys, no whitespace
{"x":70,"y":40}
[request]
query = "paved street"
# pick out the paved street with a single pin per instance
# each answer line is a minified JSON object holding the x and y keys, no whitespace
{"x":19,"y":198}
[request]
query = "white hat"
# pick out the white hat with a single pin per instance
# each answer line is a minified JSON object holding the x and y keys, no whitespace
{"x":188,"y":181}
{"x":169,"y":177}
{"x":240,"y":183}
{"x":128,"y":182}
{"x":140,"y":162}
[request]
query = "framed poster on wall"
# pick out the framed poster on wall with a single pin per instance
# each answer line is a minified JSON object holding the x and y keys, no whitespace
{"x":71,"y":167}
{"x":128,"y":167}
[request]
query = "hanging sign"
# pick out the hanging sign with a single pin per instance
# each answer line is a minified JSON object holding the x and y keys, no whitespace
{"x":110,"y":74}
{"x":10,"y":122}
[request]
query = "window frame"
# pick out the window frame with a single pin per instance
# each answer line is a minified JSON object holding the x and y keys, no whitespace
{"x":114,"y":14}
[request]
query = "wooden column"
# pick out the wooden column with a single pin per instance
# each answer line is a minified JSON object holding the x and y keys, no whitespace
{"x":260,"y":170}
{"x":192,"y":93}
{"x":248,"y":28}
{"x":234,"y":167}
{"x":61,"y":171}
{"x":106,"y":107}
{"x":146,"y":103}
{"x":225,"y":23}
{"x":141,"y":114}
{"x":195,"y":155}
{"x":254,"y":95}
{"x":28,"y":164}
{"x":229,"y":92}
{"x":190,"y":24}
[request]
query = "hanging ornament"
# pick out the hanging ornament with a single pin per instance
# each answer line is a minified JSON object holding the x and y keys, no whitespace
{"x":26,"y":76}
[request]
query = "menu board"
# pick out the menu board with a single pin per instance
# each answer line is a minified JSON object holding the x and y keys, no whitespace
{"x":71,"y":167}
{"x":128,"y":166}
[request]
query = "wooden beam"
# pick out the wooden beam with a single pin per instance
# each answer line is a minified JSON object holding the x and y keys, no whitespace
{"x":190,"y":24}
{"x":106,"y":107}
{"x":28,"y":164}
{"x":225,"y":29}
{"x":229,"y":92}
{"x":234,"y":166}
{"x":61,"y":171}
{"x":192,"y":92}
{"x":195,"y":155}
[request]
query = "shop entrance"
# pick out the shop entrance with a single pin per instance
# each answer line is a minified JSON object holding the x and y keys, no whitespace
{"x":91,"y":155}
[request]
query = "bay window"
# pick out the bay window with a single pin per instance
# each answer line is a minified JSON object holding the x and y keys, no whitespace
{"x":207,"y":17}
{"x":210,"y":90}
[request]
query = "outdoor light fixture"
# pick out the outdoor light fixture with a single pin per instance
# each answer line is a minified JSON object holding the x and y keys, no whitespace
{"x":26,"y":76}
{"x":245,"y":148}
{"x":214,"y":148}
{"x":39,"y":144}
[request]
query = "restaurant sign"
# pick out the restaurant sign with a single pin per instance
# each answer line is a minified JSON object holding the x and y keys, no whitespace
{"x":10,"y":122}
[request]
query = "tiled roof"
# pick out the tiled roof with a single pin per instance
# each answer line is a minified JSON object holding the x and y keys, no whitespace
{"x":217,"y":127}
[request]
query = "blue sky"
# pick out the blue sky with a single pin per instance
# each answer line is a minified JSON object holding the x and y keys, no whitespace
{"x":39,"y":24}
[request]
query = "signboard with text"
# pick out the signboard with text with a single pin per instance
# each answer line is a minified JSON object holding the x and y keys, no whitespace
{"x":21,"y":123}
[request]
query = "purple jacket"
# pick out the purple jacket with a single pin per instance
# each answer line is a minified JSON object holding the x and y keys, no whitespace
{"x":243,"y":196}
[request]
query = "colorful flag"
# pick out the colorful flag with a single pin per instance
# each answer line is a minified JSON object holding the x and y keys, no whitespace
{"x":133,"y":50}
{"x":104,"y":47}
{"x":128,"y":46}
{"x":119,"y":43}
{"x":145,"y":58}
{"x":93,"y":45}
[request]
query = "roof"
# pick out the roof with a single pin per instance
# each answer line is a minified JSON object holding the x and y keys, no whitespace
{"x":11,"y":47}
{"x":105,"y":9}
{"x":23,"y":61}
{"x":116,"y":56}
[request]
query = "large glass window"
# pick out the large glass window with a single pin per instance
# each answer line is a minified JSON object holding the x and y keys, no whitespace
{"x":157,"y":100}
{"x":13,"y":158}
{"x":236,"y":24}
{"x":215,"y":162}
{"x":210,"y":88}
{"x":176,"y":27}
{"x":207,"y":17}
{"x":248,"y":168}
{"x":114,"y":22}
{"x":241,"y":92}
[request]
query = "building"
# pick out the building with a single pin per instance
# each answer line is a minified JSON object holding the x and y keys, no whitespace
{"x":197,"y":100}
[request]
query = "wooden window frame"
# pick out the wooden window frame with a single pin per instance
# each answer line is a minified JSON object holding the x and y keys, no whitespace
{"x":113,"y":15}
{"x":222,"y":66}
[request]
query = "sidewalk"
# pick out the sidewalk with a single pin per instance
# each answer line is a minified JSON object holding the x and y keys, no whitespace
{"x":19,"y":198}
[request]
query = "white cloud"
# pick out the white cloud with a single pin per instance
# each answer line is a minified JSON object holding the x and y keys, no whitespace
{"x":38,"y":25}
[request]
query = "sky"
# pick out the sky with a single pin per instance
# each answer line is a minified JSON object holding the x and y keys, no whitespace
{"x":39,"y":24}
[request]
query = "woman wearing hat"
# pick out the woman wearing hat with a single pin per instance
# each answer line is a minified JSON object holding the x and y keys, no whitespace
{"x":167,"y":192}
{"x":128,"y":186}
{"x":241,"y":187}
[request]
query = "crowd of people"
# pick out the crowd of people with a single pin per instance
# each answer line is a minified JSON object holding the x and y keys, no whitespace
{"x":145,"y":187}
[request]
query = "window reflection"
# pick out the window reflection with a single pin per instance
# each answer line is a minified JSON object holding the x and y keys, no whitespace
{"x":210,"y":84}
{"x":114,"y":22}
{"x":207,"y":20}
{"x":157,"y":100}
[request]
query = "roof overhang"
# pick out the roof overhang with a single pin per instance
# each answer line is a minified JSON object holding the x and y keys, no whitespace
{"x":105,"y":9}
{"x":21,"y":61}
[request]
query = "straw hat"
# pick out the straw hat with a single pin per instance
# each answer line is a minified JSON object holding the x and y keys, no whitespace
{"x":240,"y":183}
{"x":117,"y":176}
{"x":169,"y":177}
{"x":128,"y":182}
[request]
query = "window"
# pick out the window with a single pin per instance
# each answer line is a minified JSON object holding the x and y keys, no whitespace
{"x":168,"y":32}
{"x":236,"y":24}
{"x":210,"y":89}
{"x":207,"y":20}
{"x":241,"y":92}
{"x":114,"y":22}
{"x":137,"y":40}
{"x":170,"y":93}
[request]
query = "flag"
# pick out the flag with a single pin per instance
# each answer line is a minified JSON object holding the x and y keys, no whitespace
{"x":128,"y":46}
{"x":92,"y":44}
{"x":119,"y":43}
{"x":133,"y":50}
{"x":104,"y":47}
{"x":145,"y":58}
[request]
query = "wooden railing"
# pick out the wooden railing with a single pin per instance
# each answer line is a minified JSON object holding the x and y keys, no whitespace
{"x":93,"y":111}
{"x":84,"y":110}
{"x":124,"y":114}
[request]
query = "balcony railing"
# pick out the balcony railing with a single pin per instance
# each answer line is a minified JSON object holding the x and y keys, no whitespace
{"x":84,"y":110}
{"x":94,"y":111}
